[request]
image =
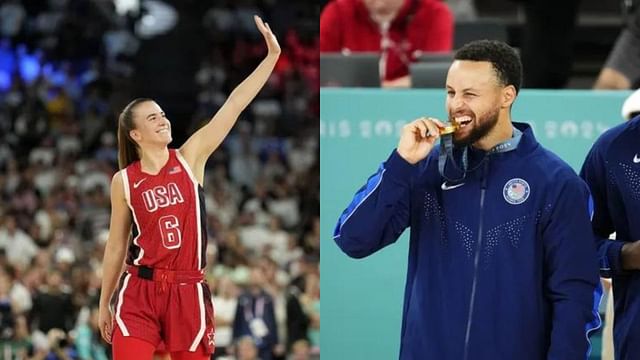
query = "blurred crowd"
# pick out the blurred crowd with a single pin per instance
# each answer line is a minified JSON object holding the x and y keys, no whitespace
{"x":65,"y":70}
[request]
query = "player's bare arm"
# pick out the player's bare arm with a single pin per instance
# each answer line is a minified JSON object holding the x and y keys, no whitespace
{"x":114,"y":254}
{"x":197,"y":149}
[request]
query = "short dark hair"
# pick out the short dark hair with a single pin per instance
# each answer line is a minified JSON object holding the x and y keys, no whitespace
{"x":504,"y":59}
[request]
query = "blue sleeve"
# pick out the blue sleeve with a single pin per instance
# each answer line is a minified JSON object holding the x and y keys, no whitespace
{"x":594,"y":173}
{"x":572,"y":283}
{"x":380,"y":210}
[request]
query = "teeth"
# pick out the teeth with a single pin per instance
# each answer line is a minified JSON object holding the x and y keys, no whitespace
{"x":463,"y":120}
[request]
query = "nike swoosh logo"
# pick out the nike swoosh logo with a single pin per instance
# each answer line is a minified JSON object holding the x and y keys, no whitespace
{"x":137,"y":183}
{"x":636,"y":159}
{"x":450,"y":187}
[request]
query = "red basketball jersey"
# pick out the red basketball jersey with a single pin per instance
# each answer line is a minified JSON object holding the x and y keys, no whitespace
{"x":169,"y":230}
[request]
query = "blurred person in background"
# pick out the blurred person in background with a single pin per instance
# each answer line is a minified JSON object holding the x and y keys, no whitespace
{"x":300,"y":350}
{"x":20,"y":295}
{"x":18,"y":245}
{"x":399,"y":29}
{"x":60,"y":346}
{"x":225,"y":303}
{"x":246,"y":349}
{"x":7,"y":309}
{"x":20,"y":346}
{"x":310,"y":301}
{"x":621,"y":70}
{"x":52,"y":305}
{"x":274,"y":284}
{"x":297,"y":319}
{"x":255,"y":317}
{"x":143,"y":197}
{"x":88,"y":341}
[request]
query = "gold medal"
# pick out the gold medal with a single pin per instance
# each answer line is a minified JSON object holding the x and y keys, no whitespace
{"x":449,"y":129}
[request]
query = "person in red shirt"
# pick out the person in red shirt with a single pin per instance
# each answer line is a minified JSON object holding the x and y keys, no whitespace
{"x":399,"y":29}
{"x":157,"y":212}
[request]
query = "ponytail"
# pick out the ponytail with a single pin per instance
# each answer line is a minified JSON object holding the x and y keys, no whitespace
{"x":127,"y":148}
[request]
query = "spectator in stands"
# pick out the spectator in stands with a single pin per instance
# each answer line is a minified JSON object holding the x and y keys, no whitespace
{"x":12,"y":18}
{"x":52,"y":306}
{"x":399,"y":29}
{"x":18,"y":245}
{"x":312,"y":237}
{"x":274,"y":285}
{"x":21,"y":346}
{"x":7,"y":306}
{"x":246,"y":349}
{"x":60,"y":346}
{"x":297,"y":320}
{"x":88,"y":341}
{"x":255,"y":316}
{"x":310,"y":301}
{"x":20,"y":297}
{"x":300,"y":350}
{"x":225,"y":303}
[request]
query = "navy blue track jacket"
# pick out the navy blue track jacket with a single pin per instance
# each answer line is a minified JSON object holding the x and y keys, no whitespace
{"x":612,"y":171}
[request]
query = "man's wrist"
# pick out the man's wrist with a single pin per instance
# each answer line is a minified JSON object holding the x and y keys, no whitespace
{"x":406,"y":157}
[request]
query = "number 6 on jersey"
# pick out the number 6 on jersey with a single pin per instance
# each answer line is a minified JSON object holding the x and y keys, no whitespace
{"x":170,"y":230}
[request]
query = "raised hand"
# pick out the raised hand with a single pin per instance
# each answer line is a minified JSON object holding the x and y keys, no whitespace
{"x":269,"y":38}
{"x":418,"y":138}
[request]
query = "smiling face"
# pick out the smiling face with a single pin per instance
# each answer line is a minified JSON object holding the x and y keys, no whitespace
{"x":151,"y":125}
{"x":475,"y":99}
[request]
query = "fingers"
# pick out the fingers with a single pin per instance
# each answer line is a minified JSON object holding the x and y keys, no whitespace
{"x":427,"y":127}
{"x":419,"y":127}
{"x":269,"y":36}
{"x":438,"y":122}
{"x":433,"y":128}
{"x":105,"y":331}
{"x":264,"y":29}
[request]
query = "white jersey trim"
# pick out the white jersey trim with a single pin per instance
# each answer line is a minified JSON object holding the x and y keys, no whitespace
{"x":123,"y":328}
{"x":203,"y":325}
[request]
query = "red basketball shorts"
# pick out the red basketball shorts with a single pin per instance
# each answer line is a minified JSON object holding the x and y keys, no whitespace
{"x":170,"y":306}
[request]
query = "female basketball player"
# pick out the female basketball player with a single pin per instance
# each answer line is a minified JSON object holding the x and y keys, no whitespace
{"x":157,"y":198}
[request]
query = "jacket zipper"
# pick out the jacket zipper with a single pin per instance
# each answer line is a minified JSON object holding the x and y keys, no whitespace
{"x":483,"y":189}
